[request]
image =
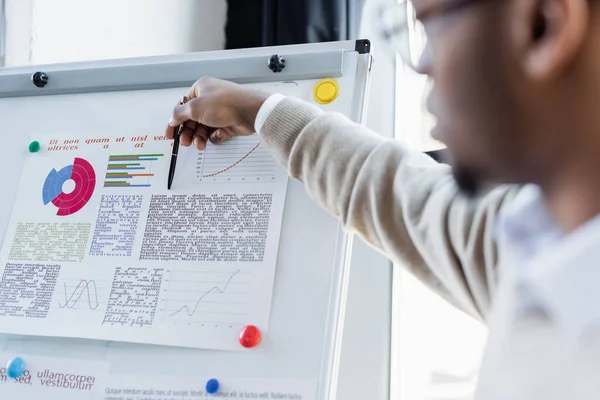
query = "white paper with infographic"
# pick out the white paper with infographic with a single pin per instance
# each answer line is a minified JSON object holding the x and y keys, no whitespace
{"x":97,"y":247}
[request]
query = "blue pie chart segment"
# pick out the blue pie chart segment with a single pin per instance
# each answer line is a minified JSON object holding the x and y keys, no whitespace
{"x":54,"y":183}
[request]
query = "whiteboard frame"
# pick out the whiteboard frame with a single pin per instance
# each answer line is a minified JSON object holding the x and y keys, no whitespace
{"x":163,"y":72}
{"x":308,"y":61}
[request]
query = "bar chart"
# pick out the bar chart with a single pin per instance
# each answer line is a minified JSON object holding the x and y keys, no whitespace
{"x":130,"y":170}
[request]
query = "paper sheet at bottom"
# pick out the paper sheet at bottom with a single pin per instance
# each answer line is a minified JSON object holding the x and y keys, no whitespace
{"x":55,"y":378}
{"x":135,"y":387}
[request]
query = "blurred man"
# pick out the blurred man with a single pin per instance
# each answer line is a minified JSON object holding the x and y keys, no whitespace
{"x":516,"y":94}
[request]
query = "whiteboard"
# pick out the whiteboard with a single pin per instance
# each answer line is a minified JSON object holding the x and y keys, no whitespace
{"x":313,"y":287}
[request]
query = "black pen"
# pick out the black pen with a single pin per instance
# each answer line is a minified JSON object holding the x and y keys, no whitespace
{"x":174,"y":156}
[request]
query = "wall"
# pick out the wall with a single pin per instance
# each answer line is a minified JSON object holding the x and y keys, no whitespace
{"x":18,"y":28}
{"x":50,"y":31}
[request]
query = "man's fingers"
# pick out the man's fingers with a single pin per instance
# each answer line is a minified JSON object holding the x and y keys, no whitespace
{"x":201,"y":136}
{"x":219,"y":136}
{"x":179,"y":115}
{"x":191,"y":125}
{"x":194,"y":91}
{"x":170,"y":132}
{"x":184,"y":112}
{"x":186,"y":136}
{"x":215,"y":136}
{"x":187,"y":132}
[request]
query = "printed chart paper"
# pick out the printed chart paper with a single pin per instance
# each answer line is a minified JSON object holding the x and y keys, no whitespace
{"x":55,"y":378}
{"x":97,"y":247}
{"x":160,"y":387}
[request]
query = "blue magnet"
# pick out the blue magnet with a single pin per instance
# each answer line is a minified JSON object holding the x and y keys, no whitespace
{"x":15,"y":368}
{"x":212,"y":386}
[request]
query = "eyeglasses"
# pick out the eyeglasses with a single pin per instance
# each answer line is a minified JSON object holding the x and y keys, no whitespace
{"x":403,"y":28}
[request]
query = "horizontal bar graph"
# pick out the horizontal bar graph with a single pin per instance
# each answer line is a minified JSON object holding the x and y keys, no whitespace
{"x":130,"y":170}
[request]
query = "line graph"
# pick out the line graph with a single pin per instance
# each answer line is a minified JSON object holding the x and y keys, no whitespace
{"x":214,"y":288}
{"x":239,"y":159}
{"x":207,"y":297}
{"x":73,"y":298}
{"x":232,"y":165}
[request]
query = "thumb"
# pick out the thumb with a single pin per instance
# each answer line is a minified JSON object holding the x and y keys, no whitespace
{"x":185,"y":112}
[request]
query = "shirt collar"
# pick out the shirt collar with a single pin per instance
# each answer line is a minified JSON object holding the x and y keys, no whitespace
{"x":553,"y":270}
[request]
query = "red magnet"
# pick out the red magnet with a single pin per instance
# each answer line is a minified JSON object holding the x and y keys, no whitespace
{"x":249,"y":336}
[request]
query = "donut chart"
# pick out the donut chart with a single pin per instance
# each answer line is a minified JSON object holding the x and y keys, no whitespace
{"x":82,"y":173}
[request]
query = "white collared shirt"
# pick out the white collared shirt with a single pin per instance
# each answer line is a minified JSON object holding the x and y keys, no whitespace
{"x":544,"y":329}
{"x":556,"y":272}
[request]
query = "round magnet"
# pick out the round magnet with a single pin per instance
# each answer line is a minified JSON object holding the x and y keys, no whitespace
{"x":34,"y":146}
{"x":15,"y":368}
{"x":212,"y":386}
{"x":326,"y":91}
{"x":249,"y":336}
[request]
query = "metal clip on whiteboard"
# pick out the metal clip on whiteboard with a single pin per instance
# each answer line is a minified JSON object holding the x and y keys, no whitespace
{"x":276,"y":63}
{"x":40,"y":79}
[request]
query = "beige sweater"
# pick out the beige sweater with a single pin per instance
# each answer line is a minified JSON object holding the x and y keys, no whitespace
{"x":407,"y":206}
{"x":398,"y":200}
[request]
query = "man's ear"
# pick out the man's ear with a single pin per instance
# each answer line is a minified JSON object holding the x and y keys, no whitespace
{"x":548,"y":34}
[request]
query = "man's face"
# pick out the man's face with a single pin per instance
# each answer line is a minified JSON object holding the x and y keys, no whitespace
{"x":476,"y":92}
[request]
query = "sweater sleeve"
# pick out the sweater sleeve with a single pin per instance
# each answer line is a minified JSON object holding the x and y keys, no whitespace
{"x":398,"y":200}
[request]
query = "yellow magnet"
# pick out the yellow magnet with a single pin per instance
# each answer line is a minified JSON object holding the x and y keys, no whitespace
{"x":326,"y":91}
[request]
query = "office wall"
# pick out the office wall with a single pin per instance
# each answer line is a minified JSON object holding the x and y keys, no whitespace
{"x":17,"y":32}
{"x":50,"y":31}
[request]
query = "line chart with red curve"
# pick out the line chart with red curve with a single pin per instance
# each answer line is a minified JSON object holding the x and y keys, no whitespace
{"x":239,"y":159}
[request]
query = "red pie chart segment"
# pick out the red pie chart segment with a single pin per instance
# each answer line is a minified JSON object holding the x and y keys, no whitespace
{"x":82,"y":173}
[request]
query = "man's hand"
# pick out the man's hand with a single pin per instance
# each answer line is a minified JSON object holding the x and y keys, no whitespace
{"x":215,"y":110}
